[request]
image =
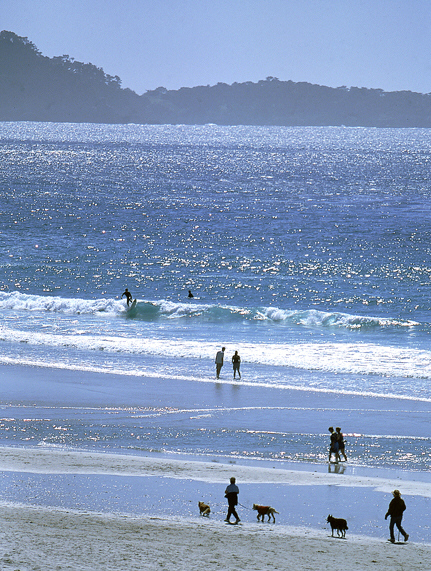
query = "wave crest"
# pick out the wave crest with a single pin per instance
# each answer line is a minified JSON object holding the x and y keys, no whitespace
{"x":165,"y":309}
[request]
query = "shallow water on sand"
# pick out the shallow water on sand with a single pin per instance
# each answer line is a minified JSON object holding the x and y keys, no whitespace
{"x":307,"y":251}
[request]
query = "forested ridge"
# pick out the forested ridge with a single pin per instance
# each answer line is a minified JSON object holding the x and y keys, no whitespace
{"x":34,"y":87}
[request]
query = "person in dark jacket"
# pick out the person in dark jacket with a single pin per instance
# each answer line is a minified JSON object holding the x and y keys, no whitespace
{"x":341,"y":444}
{"x":231,"y":493}
{"x":396,"y":510}
{"x":333,"y":449}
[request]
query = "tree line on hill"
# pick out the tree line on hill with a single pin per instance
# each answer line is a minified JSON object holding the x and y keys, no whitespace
{"x":34,"y":87}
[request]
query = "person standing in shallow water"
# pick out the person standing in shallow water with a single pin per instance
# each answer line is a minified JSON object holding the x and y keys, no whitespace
{"x":128,"y":296}
{"x":231,"y":493}
{"x":236,"y":361}
{"x":334,"y":445}
{"x":341,"y":443}
{"x":219,"y":361}
{"x":395,"y":510}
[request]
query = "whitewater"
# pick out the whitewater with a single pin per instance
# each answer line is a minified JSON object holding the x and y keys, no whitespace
{"x":306,"y":249}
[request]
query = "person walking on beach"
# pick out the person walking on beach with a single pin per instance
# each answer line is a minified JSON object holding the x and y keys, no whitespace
{"x":128,"y":296}
{"x":219,"y":361}
{"x":333,"y":449}
{"x":396,"y":510}
{"x":231,"y":493}
{"x":236,"y":361}
{"x":341,"y":444}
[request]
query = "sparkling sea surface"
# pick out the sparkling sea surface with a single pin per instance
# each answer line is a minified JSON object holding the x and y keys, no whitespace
{"x":307,"y":250}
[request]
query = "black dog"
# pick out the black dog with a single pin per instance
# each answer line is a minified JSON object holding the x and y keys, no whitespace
{"x":339,"y":524}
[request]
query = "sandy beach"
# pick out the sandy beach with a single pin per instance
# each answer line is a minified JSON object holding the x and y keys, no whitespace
{"x":66,"y":507}
{"x":306,"y":251}
{"x":40,"y":539}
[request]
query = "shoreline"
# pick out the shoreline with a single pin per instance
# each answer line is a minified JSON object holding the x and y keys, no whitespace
{"x":58,"y":461}
{"x":119,"y":509}
{"x":121,"y":485}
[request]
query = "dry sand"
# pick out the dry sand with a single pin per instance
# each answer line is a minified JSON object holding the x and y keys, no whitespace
{"x":41,"y":539}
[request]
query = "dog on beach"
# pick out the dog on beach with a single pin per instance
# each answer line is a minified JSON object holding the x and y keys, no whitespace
{"x":262,"y":511}
{"x":339,"y":524}
{"x":204,"y":509}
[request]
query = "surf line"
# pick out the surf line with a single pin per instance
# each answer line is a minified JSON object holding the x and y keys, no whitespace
{"x":257,"y":384}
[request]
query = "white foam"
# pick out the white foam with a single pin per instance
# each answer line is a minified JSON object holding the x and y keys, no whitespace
{"x":134,"y":372}
{"x":352,"y":358}
{"x":70,"y":306}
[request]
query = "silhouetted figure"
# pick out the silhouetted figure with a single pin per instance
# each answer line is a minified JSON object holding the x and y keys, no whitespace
{"x":341,"y":443}
{"x":190,"y":294}
{"x":219,"y":361}
{"x":231,"y":493}
{"x":333,"y":449}
{"x":236,"y":361}
{"x":128,"y":296}
{"x":395,"y":510}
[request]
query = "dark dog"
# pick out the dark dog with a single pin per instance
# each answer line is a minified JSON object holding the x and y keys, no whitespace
{"x":204,"y":509}
{"x":262,"y":511}
{"x":339,"y":524}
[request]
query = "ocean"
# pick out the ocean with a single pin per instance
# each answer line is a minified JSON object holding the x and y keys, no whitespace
{"x":307,"y":250}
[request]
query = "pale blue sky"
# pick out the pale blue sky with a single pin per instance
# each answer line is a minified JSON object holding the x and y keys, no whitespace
{"x":173,"y":43}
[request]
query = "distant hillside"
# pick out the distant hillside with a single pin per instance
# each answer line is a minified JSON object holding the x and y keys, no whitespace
{"x":274,"y":102}
{"x":37,"y":88}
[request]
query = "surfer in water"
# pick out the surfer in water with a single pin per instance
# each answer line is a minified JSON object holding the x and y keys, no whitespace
{"x":190,"y":294}
{"x":128,"y":296}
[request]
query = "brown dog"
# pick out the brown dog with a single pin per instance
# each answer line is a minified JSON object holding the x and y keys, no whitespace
{"x":204,"y":509}
{"x":339,"y":524}
{"x":262,"y":511}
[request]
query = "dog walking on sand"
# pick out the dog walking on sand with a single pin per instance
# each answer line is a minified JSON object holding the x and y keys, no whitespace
{"x":262,"y":511}
{"x":339,"y":524}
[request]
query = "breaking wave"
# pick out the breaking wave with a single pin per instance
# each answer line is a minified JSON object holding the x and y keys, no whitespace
{"x":147,"y":310}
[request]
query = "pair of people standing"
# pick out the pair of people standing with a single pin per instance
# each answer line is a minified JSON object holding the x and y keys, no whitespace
{"x":337,"y":444}
{"x":236,"y":361}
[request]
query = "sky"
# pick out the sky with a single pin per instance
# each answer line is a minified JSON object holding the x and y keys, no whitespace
{"x":383,"y":44}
